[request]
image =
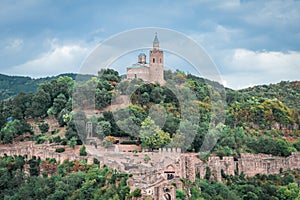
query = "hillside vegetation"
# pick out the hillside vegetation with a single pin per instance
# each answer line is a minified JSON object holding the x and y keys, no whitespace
{"x":252,"y":123}
{"x":13,"y":85}
{"x":285,"y":91}
{"x":262,"y":119}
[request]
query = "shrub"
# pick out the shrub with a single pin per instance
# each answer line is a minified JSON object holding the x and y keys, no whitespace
{"x":44,"y":127}
{"x":96,"y":161}
{"x":108,"y":141}
{"x":40,"y":140}
{"x":147,"y":158}
{"x":60,"y":150}
{"x":64,"y":141}
{"x":54,"y":131}
{"x":137,"y":192}
{"x":57,"y":139}
{"x":82,"y":151}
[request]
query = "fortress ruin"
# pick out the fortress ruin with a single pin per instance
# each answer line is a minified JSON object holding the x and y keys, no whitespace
{"x":157,"y":176}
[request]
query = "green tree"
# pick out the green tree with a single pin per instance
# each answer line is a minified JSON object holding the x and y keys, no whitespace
{"x":144,"y":98}
{"x":152,"y":136}
{"x":7,"y":133}
{"x":180,"y":194}
{"x":59,"y":104}
{"x":72,"y":142}
{"x":82,"y":151}
{"x":44,"y":127}
{"x":103,"y":129}
{"x":40,"y":103}
{"x":137,"y":192}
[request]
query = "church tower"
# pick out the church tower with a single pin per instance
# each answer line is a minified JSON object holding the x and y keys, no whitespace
{"x":156,"y":63}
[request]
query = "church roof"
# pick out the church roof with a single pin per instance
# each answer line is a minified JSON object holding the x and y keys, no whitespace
{"x":142,"y":54}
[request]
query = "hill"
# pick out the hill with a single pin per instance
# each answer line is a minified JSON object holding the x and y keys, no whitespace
{"x":13,"y":85}
{"x":285,"y":91}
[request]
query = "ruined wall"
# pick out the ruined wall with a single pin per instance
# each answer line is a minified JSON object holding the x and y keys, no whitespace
{"x":167,"y":166}
{"x":249,"y":164}
{"x":43,"y":152}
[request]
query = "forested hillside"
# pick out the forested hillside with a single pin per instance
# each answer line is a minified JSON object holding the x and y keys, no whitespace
{"x":13,"y":85}
{"x":256,"y":121}
{"x":285,"y":91}
{"x":50,"y":180}
{"x":250,"y":119}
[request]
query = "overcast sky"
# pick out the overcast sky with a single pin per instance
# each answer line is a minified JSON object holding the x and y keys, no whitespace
{"x":251,"y":42}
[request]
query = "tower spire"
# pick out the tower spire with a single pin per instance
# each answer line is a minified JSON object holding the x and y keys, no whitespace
{"x":155,"y":42}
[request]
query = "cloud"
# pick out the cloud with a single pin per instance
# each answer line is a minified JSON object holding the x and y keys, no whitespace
{"x":246,"y":68}
{"x":234,"y":33}
{"x":60,"y":59}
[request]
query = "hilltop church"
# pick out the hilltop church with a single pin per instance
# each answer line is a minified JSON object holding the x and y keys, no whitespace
{"x":153,"y":71}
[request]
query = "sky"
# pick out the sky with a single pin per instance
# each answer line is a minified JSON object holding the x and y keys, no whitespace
{"x":250,"y":42}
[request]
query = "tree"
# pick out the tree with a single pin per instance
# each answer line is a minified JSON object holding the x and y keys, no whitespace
{"x":186,"y":134}
{"x":103,"y":98}
{"x":180,"y":194}
{"x":40,"y":103}
{"x":34,"y":166}
{"x":72,"y":142}
{"x":137,"y":192}
{"x":7,"y":133}
{"x":152,"y":136}
{"x":82,"y":151}
{"x":144,"y":98}
{"x":44,"y":127}
{"x":59,"y":104}
{"x":108,"y":141}
{"x":103,"y":129}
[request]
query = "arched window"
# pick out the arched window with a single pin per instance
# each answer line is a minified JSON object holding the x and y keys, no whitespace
{"x":153,"y":60}
{"x":160,"y":60}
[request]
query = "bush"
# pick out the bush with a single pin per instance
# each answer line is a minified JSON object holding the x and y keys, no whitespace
{"x":82,"y":151}
{"x":96,"y":161}
{"x":44,"y":127}
{"x":60,"y":150}
{"x":64,"y":141}
{"x":40,"y":140}
{"x":54,"y":131}
{"x":137,"y":192}
{"x":57,"y":139}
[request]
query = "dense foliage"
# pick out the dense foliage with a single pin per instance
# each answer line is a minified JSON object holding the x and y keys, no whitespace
{"x":157,"y":117}
{"x":237,"y":187}
{"x":262,"y":119}
{"x":13,"y":85}
{"x":69,"y":180}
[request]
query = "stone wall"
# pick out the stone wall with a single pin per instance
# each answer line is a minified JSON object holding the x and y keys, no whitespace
{"x":249,"y":164}
{"x":43,"y":152}
{"x":142,"y":73}
{"x":167,"y":166}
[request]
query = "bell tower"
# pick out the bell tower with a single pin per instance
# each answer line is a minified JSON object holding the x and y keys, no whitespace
{"x":156,"y":63}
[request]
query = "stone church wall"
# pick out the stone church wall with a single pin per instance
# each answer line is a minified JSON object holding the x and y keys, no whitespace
{"x":142,"y":73}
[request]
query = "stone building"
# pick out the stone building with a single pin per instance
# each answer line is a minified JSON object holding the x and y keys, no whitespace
{"x":152,"y":71}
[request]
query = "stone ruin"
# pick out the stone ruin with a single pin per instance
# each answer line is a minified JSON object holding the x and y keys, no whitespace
{"x":157,"y":175}
{"x":43,"y":152}
{"x":249,"y":164}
